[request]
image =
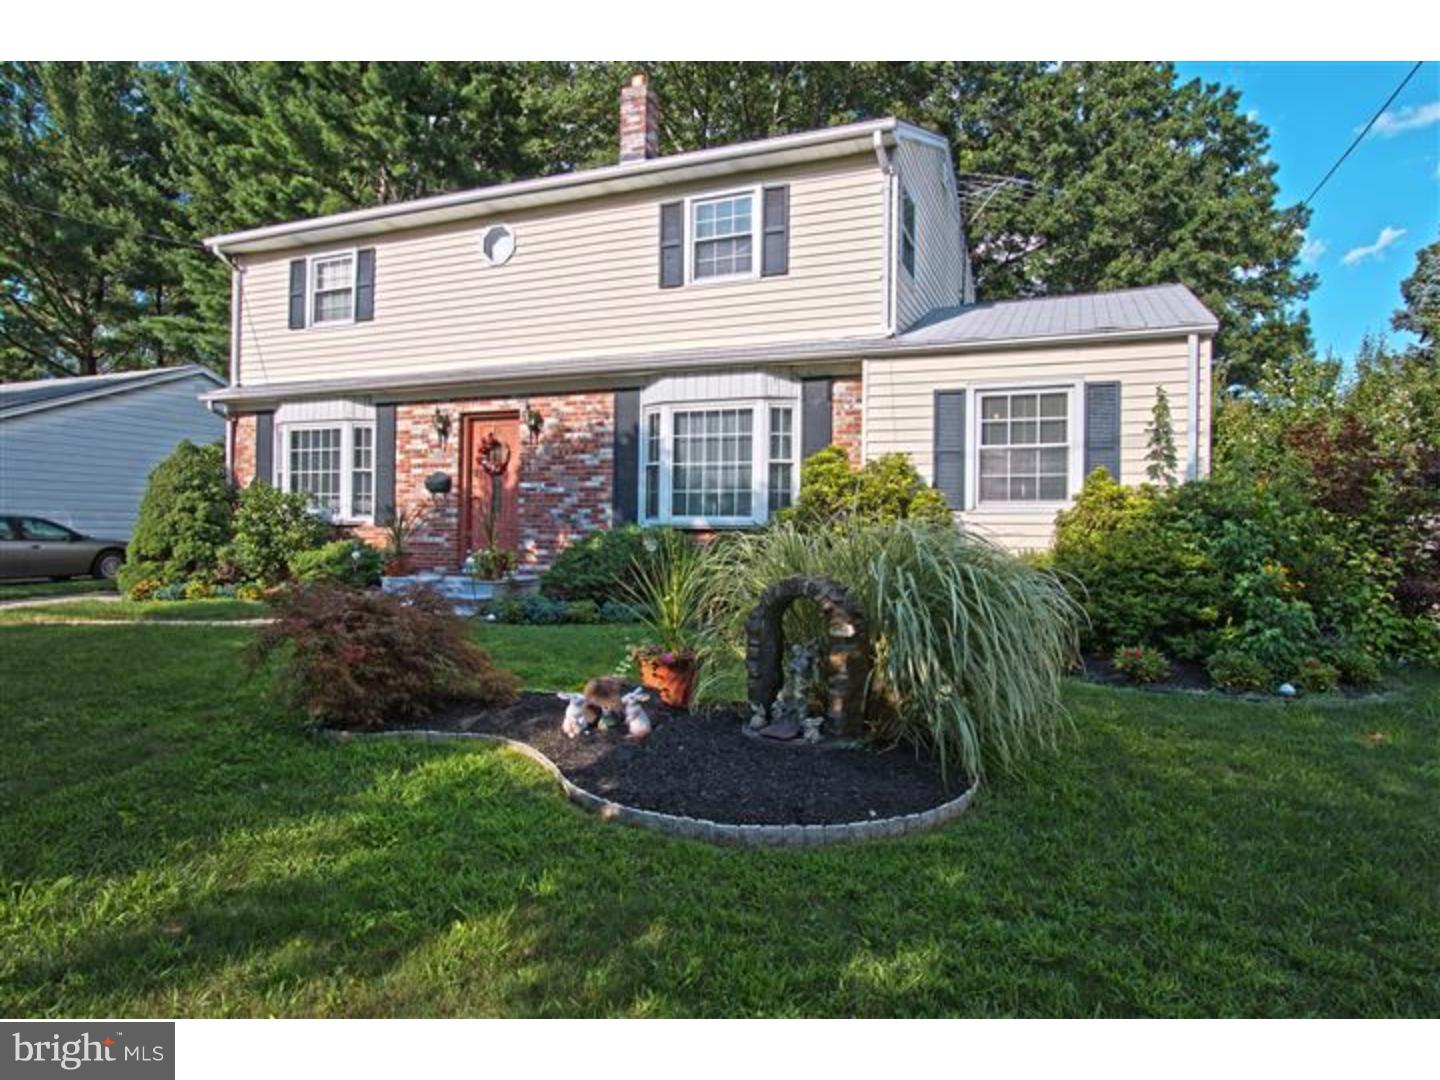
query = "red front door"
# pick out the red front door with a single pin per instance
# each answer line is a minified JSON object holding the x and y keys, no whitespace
{"x":491,"y":450}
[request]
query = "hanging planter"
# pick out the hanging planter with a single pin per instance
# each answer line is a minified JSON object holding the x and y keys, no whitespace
{"x":438,"y":483}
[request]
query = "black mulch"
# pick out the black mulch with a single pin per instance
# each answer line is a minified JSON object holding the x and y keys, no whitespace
{"x":703,"y":765}
{"x":1185,"y":675}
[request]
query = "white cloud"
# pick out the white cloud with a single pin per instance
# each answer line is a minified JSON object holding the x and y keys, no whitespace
{"x":1410,"y":118}
{"x":1253,"y":115}
{"x":1312,"y":249}
{"x":1388,"y":235}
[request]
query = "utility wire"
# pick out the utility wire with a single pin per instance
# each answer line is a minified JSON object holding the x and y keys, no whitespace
{"x":100,"y":224}
{"x":1365,"y":131}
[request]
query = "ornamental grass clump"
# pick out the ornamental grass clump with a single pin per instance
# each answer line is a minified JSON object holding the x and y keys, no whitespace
{"x":358,"y":660}
{"x":970,"y":644}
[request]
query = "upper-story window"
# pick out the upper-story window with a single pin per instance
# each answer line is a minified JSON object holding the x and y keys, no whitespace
{"x":723,"y":237}
{"x":332,"y":289}
{"x":907,"y":231}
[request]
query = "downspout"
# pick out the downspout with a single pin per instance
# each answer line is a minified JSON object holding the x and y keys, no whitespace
{"x":1192,"y":467}
{"x":887,"y":169}
{"x":237,"y":299}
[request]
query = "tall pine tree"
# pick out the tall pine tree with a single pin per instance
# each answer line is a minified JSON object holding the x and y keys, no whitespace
{"x":86,"y":282}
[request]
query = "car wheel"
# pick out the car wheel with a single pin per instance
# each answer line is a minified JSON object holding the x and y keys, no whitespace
{"x":107,"y":564}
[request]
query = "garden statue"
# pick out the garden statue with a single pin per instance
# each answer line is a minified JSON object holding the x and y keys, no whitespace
{"x":637,"y":721}
{"x":789,"y":712}
{"x":603,"y":696}
{"x":779,"y":680}
{"x":577,"y":716}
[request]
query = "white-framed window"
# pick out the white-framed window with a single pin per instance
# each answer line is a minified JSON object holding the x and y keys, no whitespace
{"x":1027,"y":445}
{"x":716,"y":464}
{"x":332,"y":289}
{"x":723,"y":236}
{"x":333,"y":465}
{"x":907,"y":231}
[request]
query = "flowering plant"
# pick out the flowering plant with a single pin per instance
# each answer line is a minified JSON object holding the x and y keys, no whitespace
{"x":659,"y":654}
{"x":1141,"y":663}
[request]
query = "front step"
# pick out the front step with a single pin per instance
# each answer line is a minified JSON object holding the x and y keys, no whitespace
{"x":466,"y":594}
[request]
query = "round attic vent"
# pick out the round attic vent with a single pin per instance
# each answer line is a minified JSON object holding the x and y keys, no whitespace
{"x":497,"y":244}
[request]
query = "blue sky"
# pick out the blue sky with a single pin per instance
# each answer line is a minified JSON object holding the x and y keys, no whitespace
{"x":1380,"y":207}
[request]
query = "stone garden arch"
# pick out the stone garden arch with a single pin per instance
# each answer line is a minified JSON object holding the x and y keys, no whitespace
{"x":847,"y":659}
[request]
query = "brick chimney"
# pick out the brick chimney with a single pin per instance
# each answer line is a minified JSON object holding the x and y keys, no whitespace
{"x":639,"y":121}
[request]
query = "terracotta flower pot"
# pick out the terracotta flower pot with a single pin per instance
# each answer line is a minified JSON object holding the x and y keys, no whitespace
{"x":398,"y":567}
{"x":673,"y":681}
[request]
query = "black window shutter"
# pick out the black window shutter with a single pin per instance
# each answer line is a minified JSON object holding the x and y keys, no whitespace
{"x":950,"y":446}
{"x":625,"y":498}
{"x":815,"y":416}
{"x":384,"y":464}
{"x":265,"y":448}
{"x":775,"y":254}
{"x":365,"y":285}
{"x":672,"y":245}
{"x":1102,"y":427}
{"x":297,"y":294}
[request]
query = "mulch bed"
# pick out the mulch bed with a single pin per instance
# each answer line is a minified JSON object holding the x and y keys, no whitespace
{"x":703,"y":765}
{"x":1185,"y":675}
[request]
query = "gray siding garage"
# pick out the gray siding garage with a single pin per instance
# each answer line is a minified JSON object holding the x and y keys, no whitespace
{"x":78,"y":451}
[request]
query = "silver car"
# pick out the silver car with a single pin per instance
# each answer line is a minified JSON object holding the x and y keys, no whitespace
{"x":32,"y":547}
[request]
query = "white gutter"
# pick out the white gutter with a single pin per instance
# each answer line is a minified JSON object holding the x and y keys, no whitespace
{"x":1192,"y":464}
{"x":562,"y":187}
{"x":588,"y":369}
{"x":887,"y":169}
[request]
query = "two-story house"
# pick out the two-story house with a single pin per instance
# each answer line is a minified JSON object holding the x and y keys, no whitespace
{"x":665,"y":339}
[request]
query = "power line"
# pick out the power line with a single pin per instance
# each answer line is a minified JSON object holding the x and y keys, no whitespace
{"x":1365,"y":131}
{"x":100,"y":224}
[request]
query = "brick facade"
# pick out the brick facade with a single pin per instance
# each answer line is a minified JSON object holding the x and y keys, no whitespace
{"x":845,"y":413}
{"x":565,"y":478}
{"x":566,"y":472}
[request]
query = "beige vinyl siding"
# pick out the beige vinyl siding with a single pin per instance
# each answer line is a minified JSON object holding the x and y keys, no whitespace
{"x":899,"y":409}
{"x":940,"y":255}
{"x":583,"y":282}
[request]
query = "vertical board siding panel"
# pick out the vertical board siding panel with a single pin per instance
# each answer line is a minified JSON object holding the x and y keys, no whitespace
{"x":626,"y":493}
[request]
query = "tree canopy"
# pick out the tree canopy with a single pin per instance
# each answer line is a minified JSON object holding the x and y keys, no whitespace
{"x":1133,"y":177}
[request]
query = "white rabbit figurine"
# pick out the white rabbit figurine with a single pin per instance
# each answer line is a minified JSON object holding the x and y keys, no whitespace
{"x":577,"y":717}
{"x":637,"y":721}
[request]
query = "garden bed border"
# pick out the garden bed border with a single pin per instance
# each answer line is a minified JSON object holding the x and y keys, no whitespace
{"x":688,"y":828}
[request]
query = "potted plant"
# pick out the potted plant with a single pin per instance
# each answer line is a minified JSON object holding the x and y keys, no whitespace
{"x":398,"y":532}
{"x":670,"y":592}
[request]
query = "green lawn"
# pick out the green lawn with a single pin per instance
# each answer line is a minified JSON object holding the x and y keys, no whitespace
{"x":24,"y":590}
{"x":146,"y":611}
{"x":173,"y":845}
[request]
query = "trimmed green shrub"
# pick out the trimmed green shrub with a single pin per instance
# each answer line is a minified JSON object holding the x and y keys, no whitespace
{"x":340,"y":562}
{"x":597,"y":567}
{"x":1357,"y":667}
{"x":584,"y":612}
{"x":184,"y":520}
{"x":886,"y":489}
{"x":970,"y":644}
{"x":271,"y":528}
{"x":358,"y":659}
{"x":1141,"y":664}
{"x":618,"y":611}
{"x":1317,"y":677}
{"x":199,"y":590}
{"x":1231,"y":669}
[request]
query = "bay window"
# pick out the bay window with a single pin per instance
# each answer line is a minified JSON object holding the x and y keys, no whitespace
{"x":710,"y":464}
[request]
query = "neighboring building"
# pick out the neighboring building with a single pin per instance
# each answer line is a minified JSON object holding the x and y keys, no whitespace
{"x":664,"y":339}
{"x":79,"y":450}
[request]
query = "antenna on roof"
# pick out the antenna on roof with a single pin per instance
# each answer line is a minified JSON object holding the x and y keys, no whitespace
{"x":977,"y":191}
